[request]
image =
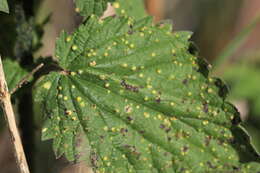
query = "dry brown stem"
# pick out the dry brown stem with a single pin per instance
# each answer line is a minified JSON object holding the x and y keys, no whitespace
{"x":6,"y":104}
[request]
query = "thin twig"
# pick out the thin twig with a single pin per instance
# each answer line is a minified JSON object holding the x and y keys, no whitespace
{"x":26,"y":78}
{"x":10,"y":118}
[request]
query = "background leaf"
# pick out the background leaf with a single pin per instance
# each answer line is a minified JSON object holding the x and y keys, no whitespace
{"x":89,"y":7}
{"x":13,"y":73}
{"x":4,"y":6}
{"x":143,"y":102}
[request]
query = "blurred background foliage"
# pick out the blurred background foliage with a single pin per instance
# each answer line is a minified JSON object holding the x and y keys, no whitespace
{"x":225,"y":32}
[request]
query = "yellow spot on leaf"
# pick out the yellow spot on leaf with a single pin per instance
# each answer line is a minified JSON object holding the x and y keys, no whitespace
{"x":173,"y":118}
{"x":82,"y":104}
{"x":68,"y":39}
{"x":159,"y":71}
{"x":89,"y":55}
{"x":134,"y":68}
{"x":105,"y":54}
{"x":159,"y":116}
{"x":72,"y":73}
{"x":102,"y":77}
{"x":78,"y":99}
{"x":93,"y":63}
{"x":74,"y":118}
{"x":105,"y":128}
{"x":47,"y":85}
{"x":113,"y":129}
{"x":149,"y":86}
{"x":146,"y":115}
{"x":146,"y":98}
{"x":107,"y":85}
{"x":205,"y":122}
{"x":124,"y":65}
{"x":77,"y":10}
{"x":210,"y":90}
{"x":132,"y":45}
{"x":68,"y":112}
{"x":116,"y":5}
{"x":74,"y":47}
{"x":80,"y":71}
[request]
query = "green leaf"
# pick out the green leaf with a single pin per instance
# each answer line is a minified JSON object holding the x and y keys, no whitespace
{"x":4,"y":6}
{"x":142,"y":101}
{"x":88,"y":7}
{"x":133,"y":8}
{"x":13,"y":73}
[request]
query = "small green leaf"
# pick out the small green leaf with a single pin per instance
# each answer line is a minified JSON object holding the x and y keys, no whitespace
{"x":13,"y":73}
{"x":4,"y":6}
{"x":142,"y":101}
{"x":133,"y":8}
{"x":88,"y":7}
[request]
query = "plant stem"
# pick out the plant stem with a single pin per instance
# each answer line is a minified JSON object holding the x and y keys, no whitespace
{"x":10,"y":118}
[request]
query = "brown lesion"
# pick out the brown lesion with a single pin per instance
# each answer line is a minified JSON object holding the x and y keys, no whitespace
{"x":129,"y":87}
